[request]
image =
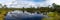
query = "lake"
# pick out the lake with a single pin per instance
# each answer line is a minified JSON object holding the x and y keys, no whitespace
{"x":19,"y":15}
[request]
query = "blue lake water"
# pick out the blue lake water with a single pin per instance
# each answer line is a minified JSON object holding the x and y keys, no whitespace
{"x":19,"y":15}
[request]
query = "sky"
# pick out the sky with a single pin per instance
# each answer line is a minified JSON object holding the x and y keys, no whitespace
{"x":28,"y":3}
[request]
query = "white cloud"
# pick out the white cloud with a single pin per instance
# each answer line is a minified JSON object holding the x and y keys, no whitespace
{"x":53,"y":1}
{"x":28,"y":3}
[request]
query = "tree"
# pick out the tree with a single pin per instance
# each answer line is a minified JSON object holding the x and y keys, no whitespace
{"x":56,"y":8}
{"x":23,"y":9}
{"x":0,"y":5}
{"x":55,"y":5}
{"x":38,"y":8}
{"x":5,"y":6}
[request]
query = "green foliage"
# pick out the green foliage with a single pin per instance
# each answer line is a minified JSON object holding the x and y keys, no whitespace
{"x":30,"y":10}
{"x":55,"y":5}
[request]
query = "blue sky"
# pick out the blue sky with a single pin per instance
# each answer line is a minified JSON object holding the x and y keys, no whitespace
{"x":38,"y":0}
{"x":28,"y":3}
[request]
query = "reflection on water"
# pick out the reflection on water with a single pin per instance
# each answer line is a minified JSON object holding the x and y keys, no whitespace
{"x":19,"y":15}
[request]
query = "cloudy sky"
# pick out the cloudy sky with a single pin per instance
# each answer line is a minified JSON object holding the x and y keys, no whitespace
{"x":28,"y":3}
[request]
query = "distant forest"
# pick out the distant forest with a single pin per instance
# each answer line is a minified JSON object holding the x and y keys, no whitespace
{"x":54,"y":7}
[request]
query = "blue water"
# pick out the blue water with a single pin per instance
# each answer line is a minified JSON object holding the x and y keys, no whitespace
{"x":23,"y":16}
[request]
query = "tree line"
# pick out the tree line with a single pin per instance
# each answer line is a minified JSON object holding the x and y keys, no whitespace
{"x":54,"y":7}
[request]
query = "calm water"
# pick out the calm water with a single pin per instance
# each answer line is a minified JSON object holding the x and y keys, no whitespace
{"x":19,"y":15}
